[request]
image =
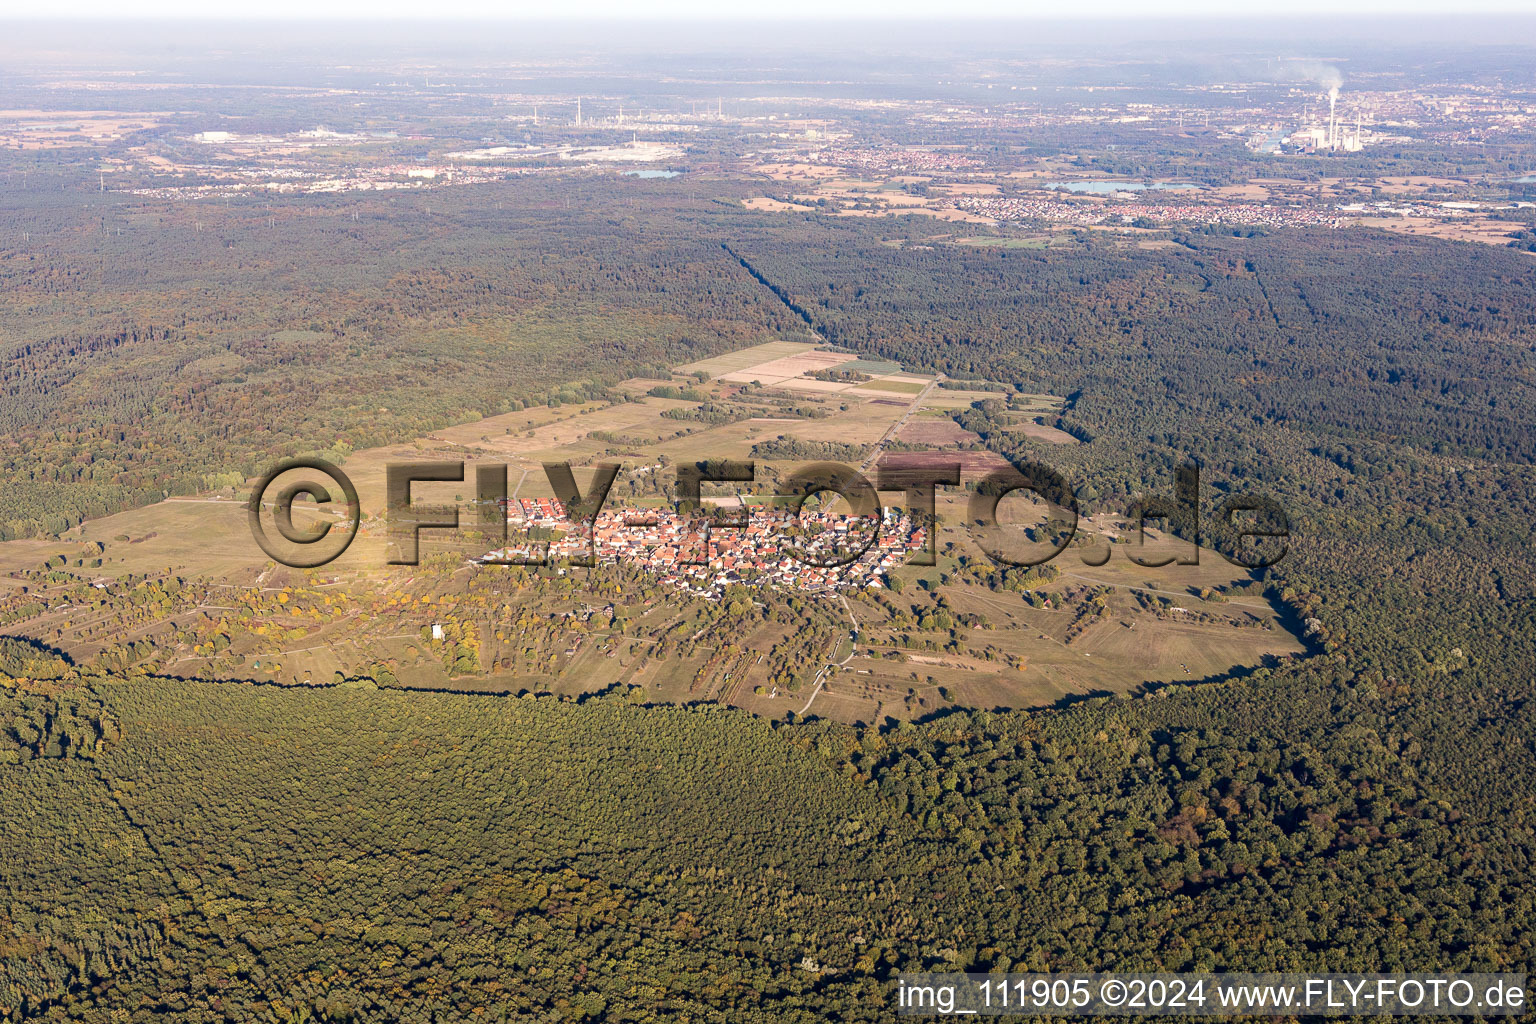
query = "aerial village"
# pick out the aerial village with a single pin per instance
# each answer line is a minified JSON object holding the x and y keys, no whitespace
{"x":758,"y":545}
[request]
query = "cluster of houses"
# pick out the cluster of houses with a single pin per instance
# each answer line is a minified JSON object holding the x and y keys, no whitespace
{"x":756,"y":546}
{"x":1089,"y":214}
{"x":895,"y":159}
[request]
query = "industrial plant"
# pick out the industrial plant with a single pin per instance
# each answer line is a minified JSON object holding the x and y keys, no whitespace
{"x":1330,"y":138}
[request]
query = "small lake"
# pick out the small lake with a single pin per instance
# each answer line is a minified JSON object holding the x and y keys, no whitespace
{"x":1104,"y":187}
{"x":652,"y":174}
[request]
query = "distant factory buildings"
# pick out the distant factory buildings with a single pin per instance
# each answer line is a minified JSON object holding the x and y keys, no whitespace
{"x":1329,"y":138}
{"x":1332,"y":138}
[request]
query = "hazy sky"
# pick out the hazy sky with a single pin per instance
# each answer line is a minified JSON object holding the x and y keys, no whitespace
{"x":777,"y":9}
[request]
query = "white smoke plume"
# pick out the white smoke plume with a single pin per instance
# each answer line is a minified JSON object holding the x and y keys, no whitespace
{"x":1329,"y":78}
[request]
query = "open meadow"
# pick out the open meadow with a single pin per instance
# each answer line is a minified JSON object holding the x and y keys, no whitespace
{"x":952,"y":637}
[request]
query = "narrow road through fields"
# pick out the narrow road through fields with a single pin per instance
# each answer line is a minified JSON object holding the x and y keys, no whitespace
{"x":895,"y":428}
{"x":821,"y":676}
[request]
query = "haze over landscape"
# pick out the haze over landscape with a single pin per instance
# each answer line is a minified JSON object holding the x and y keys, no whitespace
{"x":608,"y":717}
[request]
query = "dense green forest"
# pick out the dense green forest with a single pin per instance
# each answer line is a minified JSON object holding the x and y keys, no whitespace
{"x":187,"y":353}
{"x":259,"y":853}
{"x":1383,"y":389}
{"x":223,"y":851}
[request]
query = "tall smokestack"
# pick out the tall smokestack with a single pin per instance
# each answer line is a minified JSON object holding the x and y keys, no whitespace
{"x":1333,"y":126}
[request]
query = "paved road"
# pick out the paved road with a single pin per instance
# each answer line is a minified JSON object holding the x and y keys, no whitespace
{"x":895,"y":428}
{"x":879,"y":448}
{"x":821,"y":676}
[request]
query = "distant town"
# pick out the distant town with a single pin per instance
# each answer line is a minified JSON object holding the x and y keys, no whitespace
{"x":766,"y":546}
{"x":1296,"y":144}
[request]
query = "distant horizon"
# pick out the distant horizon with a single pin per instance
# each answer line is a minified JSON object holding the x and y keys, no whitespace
{"x":464,"y":30}
{"x":699,"y":12}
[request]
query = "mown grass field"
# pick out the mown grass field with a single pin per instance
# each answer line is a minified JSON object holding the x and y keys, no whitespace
{"x":746,"y":358}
